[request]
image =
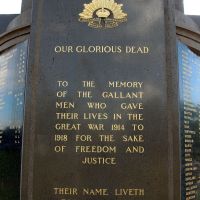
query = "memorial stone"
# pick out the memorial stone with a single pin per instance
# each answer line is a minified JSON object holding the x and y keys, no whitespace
{"x":101,"y":113}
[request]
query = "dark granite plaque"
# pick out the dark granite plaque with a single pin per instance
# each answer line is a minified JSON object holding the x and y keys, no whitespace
{"x":12,"y":86}
{"x":97,"y":110}
{"x":189,"y":69}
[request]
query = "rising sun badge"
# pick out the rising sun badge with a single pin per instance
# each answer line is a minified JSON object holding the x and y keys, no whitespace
{"x":103,"y":14}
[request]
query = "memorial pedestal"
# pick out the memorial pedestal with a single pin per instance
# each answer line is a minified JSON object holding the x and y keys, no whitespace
{"x":103,"y":115}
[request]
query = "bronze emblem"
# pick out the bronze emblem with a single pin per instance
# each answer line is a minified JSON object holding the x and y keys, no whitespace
{"x":103,"y":14}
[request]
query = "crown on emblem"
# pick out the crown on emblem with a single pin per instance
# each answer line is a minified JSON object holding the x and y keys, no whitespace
{"x":103,"y":13}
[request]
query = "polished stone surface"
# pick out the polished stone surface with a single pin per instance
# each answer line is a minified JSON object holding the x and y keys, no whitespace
{"x":45,"y":171}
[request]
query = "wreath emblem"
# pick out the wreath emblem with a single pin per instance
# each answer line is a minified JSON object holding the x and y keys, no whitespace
{"x":103,"y":14}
